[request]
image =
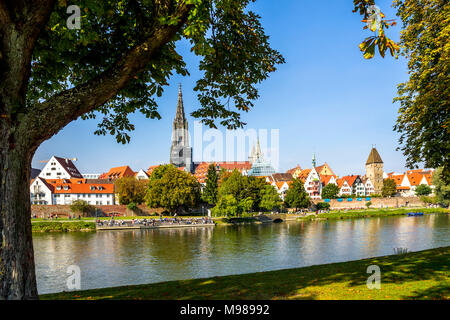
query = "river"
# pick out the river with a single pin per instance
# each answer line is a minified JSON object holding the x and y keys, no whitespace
{"x":116,"y":258}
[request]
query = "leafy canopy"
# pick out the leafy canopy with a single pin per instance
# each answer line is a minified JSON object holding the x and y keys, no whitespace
{"x":81,"y":206}
{"x":211,"y":190}
{"x":424,"y":120}
{"x":270,"y":199}
{"x":389,"y":188}
{"x":442,"y":187}
{"x":296,"y":196}
{"x":423,"y":190}
{"x":375,"y":21}
{"x":174,"y":190}
{"x":234,"y":52}
{"x":130,"y":190}
{"x":330,"y":191}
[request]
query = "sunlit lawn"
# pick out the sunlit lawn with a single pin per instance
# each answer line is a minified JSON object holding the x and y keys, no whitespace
{"x":417,"y":275}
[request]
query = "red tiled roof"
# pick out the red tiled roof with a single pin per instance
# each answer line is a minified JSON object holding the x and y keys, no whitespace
{"x":397,"y":178}
{"x":325,"y":179}
{"x":232,"y":165}
{"x":415,"y":178}
{"x":319,"y":168}
{"x":292,"y":171}
{"x":304,"y":174}
{"x":117,"y":173}
{"x":340,"y":182}
{"x":78,"y":186}
{"x":201,"y":169}
{"x":350,"y":179}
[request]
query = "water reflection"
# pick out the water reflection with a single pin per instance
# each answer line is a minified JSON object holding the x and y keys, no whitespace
{"x":143,"y":256}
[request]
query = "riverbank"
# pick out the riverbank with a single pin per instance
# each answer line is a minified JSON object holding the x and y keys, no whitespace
{"x":55,"y":226}
{"x":88,"y":224}
{"x":415,"y":275}
{"x":369,"y":213}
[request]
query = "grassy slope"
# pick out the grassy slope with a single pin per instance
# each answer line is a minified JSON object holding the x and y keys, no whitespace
{"x":417,"y":275}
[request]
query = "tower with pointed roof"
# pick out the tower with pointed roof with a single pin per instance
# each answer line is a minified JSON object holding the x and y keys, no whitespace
{"x":256,"y":153}
{"x":180,"y":151}
{"x":374,"y":170}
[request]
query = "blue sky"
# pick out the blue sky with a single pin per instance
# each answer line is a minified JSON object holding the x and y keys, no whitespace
{"x":325,"y":99}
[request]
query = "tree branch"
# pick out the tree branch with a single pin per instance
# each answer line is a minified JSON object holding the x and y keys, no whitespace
{"x":68,"y":105}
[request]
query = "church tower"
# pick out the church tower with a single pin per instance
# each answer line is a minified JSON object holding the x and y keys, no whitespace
{"x":180,"y":152}
{"x":374,"y":170}
{"x":256,"y":153}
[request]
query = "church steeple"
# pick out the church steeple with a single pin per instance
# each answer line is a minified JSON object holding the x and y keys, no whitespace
{"x":180,"y":152}
{"x":180,"y":117}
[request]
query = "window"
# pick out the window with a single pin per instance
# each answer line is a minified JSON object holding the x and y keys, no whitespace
{"x":48,"y":173}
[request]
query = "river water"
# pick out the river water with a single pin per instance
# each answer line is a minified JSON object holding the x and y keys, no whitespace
{"x":115,"y":258}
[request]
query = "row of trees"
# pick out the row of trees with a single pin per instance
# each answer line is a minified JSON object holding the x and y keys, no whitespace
{"x":229,"y":193}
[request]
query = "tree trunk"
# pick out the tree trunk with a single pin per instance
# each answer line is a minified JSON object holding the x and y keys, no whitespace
{"x":17,"y":270}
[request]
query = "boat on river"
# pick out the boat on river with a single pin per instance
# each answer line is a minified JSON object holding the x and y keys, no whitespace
{"x":413,"y":214}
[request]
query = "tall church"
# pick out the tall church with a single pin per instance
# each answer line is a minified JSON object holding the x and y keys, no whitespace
{"x":374,"y":170}
{"x":180,"y":151}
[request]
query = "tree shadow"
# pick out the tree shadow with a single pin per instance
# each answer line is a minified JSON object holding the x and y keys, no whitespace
{"x":347,"y":279}
{"x":439,"y":292}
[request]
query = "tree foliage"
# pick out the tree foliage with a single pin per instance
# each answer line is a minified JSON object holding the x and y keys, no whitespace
{"x":247,"y":191}
{"x":174,"y":190}
{"x":442,"y":187}
{"x":389,"y":188}
{"x":323,"y":206}
{"x":270,"y":199}
{"x":375,"y":21}
{"x":296,"y":196}
{"x":424,"y":114}
{"x":330,"y":191}
{"x":81,"y":206}
{"x":211,"y":190}
{"x":423,"y":190}
{"x":130,"y":190}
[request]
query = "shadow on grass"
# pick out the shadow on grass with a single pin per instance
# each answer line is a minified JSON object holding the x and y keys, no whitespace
{"x":439,"y":292}
{"x":340,"y":280}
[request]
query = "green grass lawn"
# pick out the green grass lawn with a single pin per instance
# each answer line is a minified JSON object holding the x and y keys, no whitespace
{"x":416,"y":275}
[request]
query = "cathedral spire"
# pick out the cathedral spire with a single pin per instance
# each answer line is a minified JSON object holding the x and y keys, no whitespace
{"x":180,"y":152}
{"x":180,"y":107}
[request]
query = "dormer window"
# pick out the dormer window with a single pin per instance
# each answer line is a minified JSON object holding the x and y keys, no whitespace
{"x":92,"y":188}
{"x":58,"y":188}
{"x":66,"y":187}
